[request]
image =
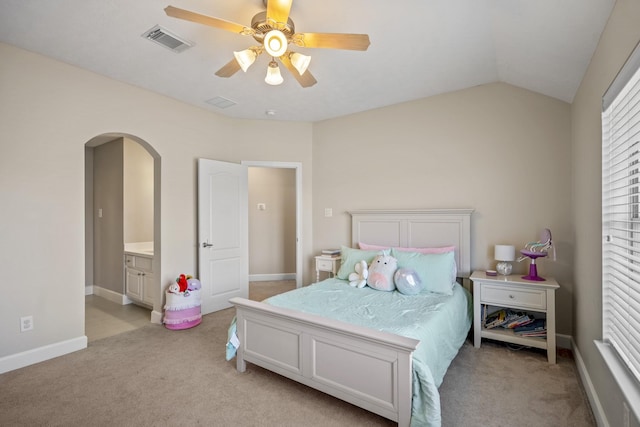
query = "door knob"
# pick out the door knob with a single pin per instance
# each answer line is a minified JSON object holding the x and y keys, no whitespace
{"x":206,"y":245}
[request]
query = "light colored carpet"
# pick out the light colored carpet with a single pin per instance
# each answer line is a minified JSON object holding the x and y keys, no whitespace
{"x":259,"y":291}
{"x":152,"y":376}
{"x":496,"y":386}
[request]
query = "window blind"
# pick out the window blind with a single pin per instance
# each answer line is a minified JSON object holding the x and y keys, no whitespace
{"x":621,"y":215}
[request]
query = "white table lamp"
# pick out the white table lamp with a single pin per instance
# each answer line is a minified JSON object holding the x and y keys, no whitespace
{"x":504,"y":254}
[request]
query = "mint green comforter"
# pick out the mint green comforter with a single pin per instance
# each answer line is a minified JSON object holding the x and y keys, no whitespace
{"x":440,"y":322}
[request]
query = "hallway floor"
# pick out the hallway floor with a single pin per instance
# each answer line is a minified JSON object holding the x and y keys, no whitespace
{"x":104,"y":318}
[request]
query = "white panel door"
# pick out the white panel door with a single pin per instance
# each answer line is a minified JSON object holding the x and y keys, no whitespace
{"x":223,"y":247}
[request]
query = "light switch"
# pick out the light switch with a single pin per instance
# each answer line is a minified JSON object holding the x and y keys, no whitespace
{"x":262,"y":207}
{"x":328,"y":212}
{"x":100,"y":213}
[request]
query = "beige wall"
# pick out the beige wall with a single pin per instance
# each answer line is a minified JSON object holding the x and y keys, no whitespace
{"x":138,"y":193}
{"x":501,"y":150}
{"x":272,"y":232}
{"x":48,"y":111}
{"x":621,"y":35}
{"x":108,"y":230}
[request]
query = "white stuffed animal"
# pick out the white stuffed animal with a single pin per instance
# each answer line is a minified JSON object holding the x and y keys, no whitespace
{"x":359,"y":278}
{"x":381,"y":273}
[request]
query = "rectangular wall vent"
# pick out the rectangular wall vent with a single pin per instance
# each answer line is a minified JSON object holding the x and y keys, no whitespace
{"x":221,"y":102}
{"x":165,"y":38}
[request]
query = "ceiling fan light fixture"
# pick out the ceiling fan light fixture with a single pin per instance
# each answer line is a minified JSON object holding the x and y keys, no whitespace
{"x":274,"y":29}
{"x":300,"y":62}
{"x":273,"y":77}
{"x":275,"y":43}
{"x":245,"y":58}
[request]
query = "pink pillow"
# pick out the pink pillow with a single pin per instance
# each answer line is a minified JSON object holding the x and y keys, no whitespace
{"x":440,"y":250}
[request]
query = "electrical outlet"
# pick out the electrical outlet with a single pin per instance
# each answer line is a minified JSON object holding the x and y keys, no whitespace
{"x":26,"y":323}
{"x":328,"y":212}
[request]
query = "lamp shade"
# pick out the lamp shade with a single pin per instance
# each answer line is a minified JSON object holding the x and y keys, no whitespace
{"x":505,"y":253}
{"x":275,"y":43}
{"x":300,"y":62}
{"x":245,"y":58}
{"x":273,"y":74}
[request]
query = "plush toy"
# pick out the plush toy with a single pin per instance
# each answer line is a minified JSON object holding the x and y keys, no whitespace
{"x":174,"y":288}
{"x":381,"y":273}
{"x":407,"y":281}
{"x":359,"y":278}
{"x":193,"y":284}
{"x":182,"y":282}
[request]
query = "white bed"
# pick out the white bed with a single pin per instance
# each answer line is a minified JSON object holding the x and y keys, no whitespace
{"x":310,"y":349}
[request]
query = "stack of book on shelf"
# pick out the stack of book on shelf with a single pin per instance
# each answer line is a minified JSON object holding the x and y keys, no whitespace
{"x":537,"y":328}
{"x":330,"y":253}
{"x":522,"y":324}
{"x":506,"y":319}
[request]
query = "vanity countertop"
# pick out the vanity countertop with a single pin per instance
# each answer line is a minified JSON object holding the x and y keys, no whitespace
{"x":139,"y":248}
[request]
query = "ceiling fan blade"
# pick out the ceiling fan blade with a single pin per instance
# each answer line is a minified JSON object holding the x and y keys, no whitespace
{"x":332,"y":40}
{"x":229,"y":69}
{"x":305,"y":80}
{"x":210,"y":21}
{"x":278,"y":10}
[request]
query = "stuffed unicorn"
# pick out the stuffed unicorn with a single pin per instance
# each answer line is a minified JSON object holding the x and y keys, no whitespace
{"x":381,"y":273}
{"x":359,"y":278}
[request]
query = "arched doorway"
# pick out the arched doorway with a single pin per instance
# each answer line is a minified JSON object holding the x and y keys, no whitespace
{"x":107,"y":225}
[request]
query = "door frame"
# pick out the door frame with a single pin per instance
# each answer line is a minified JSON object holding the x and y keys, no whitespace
{"x":156,"y":312}
{"x":298,"y":173}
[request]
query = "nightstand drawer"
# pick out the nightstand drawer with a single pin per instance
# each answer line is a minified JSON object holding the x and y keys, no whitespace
{"x":510,"y":296}
{"x":324,"y":265}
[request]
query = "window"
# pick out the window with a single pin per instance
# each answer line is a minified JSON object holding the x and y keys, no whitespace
{"x":621,"y":215}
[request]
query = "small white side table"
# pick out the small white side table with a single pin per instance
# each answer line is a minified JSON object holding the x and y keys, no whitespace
{"x":519,"y":294}
{"x":328,"y":264}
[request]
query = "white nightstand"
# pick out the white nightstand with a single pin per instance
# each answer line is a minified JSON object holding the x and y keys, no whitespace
{"x":518,"y":294}
{"x":328,"y":264}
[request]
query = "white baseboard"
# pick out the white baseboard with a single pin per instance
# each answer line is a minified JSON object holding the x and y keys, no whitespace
{"x":156,"y":317}
{"x":271,"y":277}
{"x":110,"y":295}
{"x":564,"y":341}
{"x":40,"y":354}
{"x":88,"y":290}
{"x":596,"y":406}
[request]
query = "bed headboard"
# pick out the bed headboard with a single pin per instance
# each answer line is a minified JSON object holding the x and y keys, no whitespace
{"x":416,"y":228}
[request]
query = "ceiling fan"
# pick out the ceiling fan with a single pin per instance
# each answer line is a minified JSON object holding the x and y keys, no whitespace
{"x":275,"y":31}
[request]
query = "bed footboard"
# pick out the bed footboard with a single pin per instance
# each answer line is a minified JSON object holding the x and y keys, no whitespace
{"x":365,"y":367}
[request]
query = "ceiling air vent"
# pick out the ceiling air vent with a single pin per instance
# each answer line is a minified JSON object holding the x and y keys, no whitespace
{"x":165,"y":38}
{"x":221,"y":102}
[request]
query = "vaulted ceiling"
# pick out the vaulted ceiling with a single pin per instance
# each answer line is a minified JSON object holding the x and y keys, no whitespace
{"x":419,"y":48}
